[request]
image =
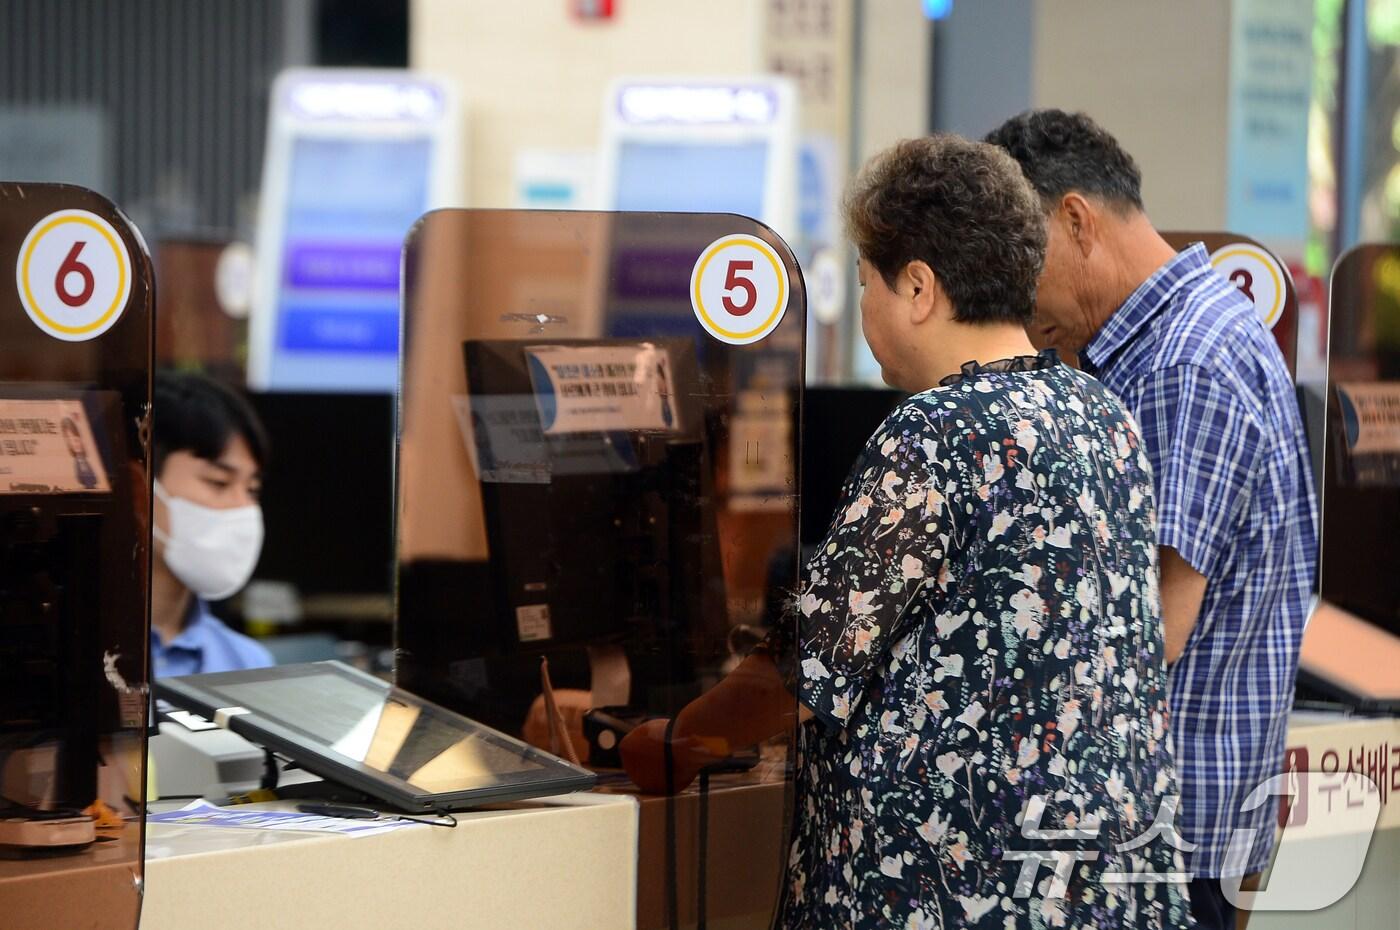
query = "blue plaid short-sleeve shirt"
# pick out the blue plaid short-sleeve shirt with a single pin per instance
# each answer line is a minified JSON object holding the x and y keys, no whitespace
{"x":1190,"y":358}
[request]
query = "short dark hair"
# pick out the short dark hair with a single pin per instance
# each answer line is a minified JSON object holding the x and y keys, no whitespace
{"x":1062,"y":152}
{"x":195,"y":414}
{"x":964,"y":209}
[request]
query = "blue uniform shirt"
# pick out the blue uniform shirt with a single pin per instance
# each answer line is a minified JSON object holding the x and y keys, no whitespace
{"x":206,"y":644}
{"x":1220,"y":421}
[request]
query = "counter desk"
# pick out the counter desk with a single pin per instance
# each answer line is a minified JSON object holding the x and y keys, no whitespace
{"x":566,"y":863}
{"x":1333,"y":743}
{"x":597,"y":861}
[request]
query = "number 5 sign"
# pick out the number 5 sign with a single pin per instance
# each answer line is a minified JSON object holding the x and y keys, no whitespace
{"x":739,"y":289}
{"x":73,"y":275}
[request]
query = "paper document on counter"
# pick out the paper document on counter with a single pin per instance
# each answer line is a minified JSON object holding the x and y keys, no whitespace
{"x":202,"y":813}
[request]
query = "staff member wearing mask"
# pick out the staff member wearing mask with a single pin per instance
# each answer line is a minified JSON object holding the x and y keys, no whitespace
{"x":1236,"y":517}
{"x":209,"y":455}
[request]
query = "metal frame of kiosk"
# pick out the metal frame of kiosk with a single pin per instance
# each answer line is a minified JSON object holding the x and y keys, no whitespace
{"x":664,"y":138}
{"x":76,"y":341}
{"x":593,"y":408}
{"x":326,"y":280}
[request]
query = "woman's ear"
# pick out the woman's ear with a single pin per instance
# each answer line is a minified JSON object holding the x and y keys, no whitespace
{"x":923,"y":290}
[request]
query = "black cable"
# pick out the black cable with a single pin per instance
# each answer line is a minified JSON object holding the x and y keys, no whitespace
{"x":702,"y":865}
{"x":672,"y":870}
{"x":450,"y":824}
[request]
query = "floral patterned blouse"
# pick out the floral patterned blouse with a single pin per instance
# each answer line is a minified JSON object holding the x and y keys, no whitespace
{"x":979,"y":637}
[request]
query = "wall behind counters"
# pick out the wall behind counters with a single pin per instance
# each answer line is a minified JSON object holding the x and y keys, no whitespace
{"x":532,"y":75}
{"x":1156,"y":75}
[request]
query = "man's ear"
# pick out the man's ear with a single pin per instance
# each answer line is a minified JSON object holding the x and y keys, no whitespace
{"x":923,"y":290}
{"x":1081,"y":222}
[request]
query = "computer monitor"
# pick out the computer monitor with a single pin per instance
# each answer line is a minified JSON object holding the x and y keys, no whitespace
{"x":837,"y":422}
{"x":328,"y":491}
{"x":597,"y":537}
{"x":350,"y":727}
{"x":631,"y":499}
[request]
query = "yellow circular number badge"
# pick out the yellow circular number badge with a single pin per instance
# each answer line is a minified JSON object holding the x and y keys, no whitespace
{"x":1257,"y":274}
{"x":739,"y":289}
{"x":73,"y":275}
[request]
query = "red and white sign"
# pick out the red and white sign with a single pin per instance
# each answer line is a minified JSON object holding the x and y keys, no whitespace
{"x":739,"y":289}
{"x":73,"y":275}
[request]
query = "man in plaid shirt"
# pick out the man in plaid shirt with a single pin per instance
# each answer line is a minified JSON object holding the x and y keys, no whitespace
{"x":1237,"y":532}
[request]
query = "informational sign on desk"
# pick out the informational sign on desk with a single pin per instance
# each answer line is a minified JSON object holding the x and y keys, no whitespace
{"x":46,"y":447}
{"x":1331,"y":797}
{"x":1360,"y":746}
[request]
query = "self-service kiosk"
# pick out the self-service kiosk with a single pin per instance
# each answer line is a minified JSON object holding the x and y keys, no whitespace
{"x":702,"y":145}
{"x":353,"y":158}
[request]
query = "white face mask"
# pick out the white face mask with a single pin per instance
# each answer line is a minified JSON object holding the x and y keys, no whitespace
{"x":212,"y":552}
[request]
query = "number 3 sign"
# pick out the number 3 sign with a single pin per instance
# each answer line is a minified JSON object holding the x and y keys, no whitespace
{"x":1258,"y":276}
{"x":739,"y":289}
{"x":73,"y":275}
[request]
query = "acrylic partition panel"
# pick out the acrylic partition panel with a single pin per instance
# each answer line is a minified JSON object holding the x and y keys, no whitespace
{"x":1360,"y":482}
{"x":75,"y":386}
{"x":599,"y":419}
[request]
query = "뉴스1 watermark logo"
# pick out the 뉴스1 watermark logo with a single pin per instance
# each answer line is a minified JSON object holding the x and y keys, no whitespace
{"x":1163,"y":827}
{"x":1329,"y":819}
{"x":1332,"y":816}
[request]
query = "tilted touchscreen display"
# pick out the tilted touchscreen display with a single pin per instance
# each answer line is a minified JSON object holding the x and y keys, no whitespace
{"x":382,"y":729}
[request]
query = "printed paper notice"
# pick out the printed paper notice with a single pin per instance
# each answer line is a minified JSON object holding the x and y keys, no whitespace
{"x":503,"y":438}
{"x":203,"y":814}
{"x":599,"y":389}
{"x":47,"y":447}
{"x":1371,"y":417}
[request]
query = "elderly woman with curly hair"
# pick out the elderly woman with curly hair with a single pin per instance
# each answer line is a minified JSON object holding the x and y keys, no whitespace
{"x":977,"y":654}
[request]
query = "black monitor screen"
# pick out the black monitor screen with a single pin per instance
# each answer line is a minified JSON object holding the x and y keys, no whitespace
{"x":327,"y":494}
{"x":584,"y":552}
{"x":837,"y":422}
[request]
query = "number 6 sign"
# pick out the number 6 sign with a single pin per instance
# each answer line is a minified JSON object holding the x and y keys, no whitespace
{"x":73,"y":275}
{"x":739,"y":289}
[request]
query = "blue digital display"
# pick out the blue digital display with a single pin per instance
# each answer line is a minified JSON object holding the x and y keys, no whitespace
{"x":350,"y":202}
{"x":692,"y":177}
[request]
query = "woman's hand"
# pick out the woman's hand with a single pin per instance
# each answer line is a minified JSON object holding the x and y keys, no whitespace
{"x":644,"y":757}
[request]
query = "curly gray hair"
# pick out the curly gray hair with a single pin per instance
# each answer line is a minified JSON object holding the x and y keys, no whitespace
{"x":962,"y":207}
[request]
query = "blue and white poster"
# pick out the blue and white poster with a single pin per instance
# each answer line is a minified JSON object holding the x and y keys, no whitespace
{"x":1271,"y":71}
